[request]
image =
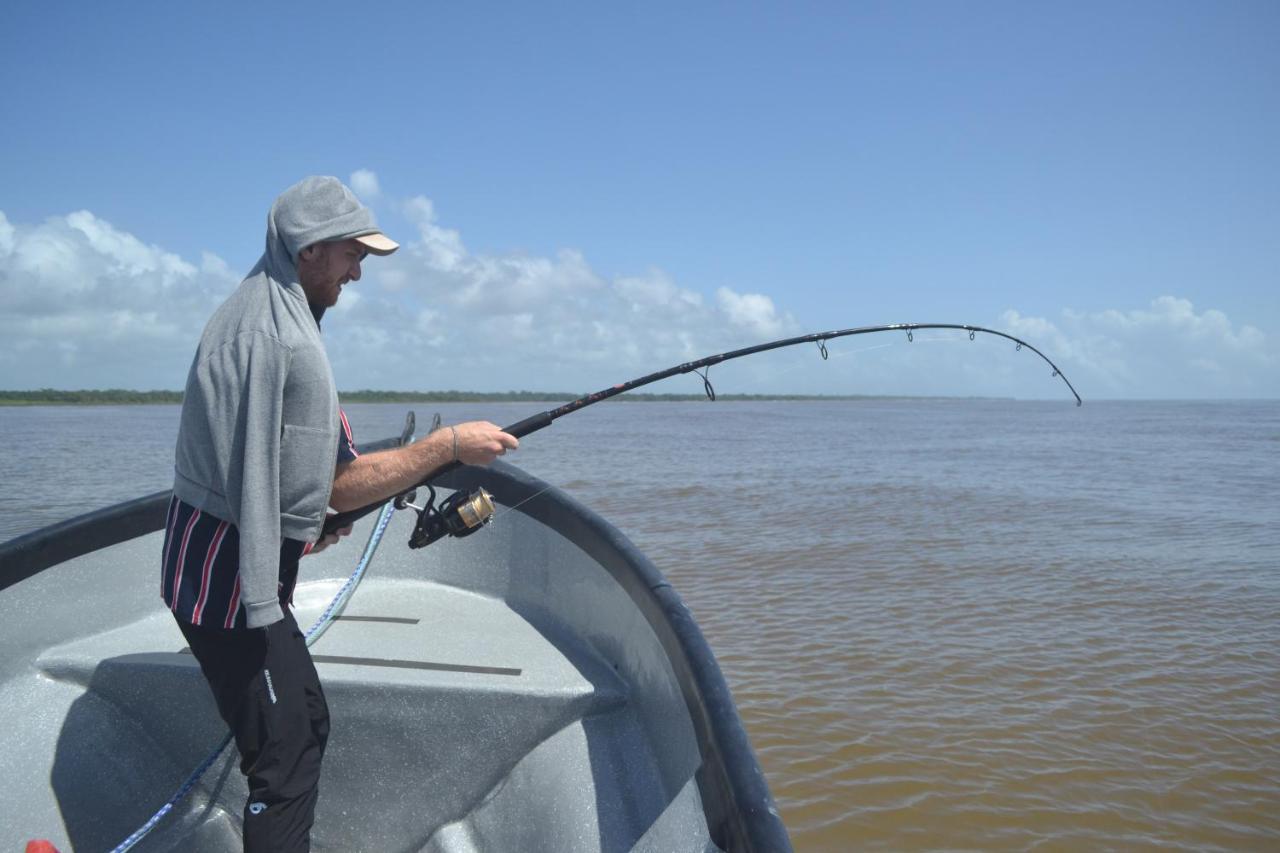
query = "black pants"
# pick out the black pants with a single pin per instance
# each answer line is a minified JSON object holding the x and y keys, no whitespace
{"x":269,"y":694}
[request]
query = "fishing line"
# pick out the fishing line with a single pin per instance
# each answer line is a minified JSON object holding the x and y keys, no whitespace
{"x":844,"y":354}
{"x":513,"y":507}
{"x":460,"y":515}
{"x":832,"y":356}
{"x":498,"y":511}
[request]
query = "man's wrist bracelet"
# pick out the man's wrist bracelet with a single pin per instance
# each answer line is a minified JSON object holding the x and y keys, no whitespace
{"x":455,"y":443}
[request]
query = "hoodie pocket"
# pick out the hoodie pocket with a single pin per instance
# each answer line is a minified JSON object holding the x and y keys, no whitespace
{"x":306,"y":471}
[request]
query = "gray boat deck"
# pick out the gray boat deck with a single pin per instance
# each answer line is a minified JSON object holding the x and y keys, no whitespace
{"x":498,"y":693}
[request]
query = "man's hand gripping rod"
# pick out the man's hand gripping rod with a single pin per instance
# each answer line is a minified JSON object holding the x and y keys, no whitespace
{"x":461,"y":514}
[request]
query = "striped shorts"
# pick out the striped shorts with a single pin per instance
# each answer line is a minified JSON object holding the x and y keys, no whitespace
{"x":200,"y":581}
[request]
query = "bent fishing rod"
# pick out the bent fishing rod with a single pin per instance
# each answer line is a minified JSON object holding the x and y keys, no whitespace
{"x":462,"y":514}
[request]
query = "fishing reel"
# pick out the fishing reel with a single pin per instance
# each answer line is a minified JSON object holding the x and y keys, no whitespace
{"x":460,"y":514}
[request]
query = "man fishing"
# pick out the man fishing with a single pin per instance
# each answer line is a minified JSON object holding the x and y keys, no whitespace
{"x":263,"y":452}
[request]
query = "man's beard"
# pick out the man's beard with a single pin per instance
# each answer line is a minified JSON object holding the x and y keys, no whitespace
{"x":319,"y":291}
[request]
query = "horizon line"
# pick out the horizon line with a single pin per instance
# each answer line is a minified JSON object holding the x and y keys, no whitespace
{"x":126,"y":396}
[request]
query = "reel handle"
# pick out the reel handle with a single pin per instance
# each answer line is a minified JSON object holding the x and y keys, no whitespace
{"x":461,"y":514}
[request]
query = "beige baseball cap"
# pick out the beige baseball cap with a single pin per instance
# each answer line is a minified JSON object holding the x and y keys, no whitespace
{"x":377,"y":243}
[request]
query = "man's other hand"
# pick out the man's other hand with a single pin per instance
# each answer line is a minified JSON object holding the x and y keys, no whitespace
{"x":329,"y":539}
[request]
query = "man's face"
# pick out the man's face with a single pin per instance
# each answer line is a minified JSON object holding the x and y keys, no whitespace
{"x":324,"y":267}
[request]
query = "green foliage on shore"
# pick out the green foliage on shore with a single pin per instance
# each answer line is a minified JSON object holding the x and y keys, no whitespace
{"x":125,"y":397}
{"x":452,"y":396}
{"x":108,"y":397}
{"x":552,"y":397}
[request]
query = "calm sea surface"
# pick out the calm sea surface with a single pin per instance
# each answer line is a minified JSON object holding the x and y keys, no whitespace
{"x":947,"y":624}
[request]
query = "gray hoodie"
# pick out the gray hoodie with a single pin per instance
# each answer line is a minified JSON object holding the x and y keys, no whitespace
{"x":259,"y":433}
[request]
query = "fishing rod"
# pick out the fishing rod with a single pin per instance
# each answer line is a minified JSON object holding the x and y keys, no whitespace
{"x":462,"y":514}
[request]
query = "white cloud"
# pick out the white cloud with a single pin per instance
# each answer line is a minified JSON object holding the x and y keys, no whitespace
{"x":6,"y":236}
{"x":364,"y":184}
{"x":350,"y":299}
{"x":1166,"y":350}
{"x":534,"y":321}
{"x":84,"y":304}
{"x":1171,"y":314}
{"x":753,"y":311}
{"x":439,"y":248}
{"x":393,"y":280}
{"x":656,"y":290}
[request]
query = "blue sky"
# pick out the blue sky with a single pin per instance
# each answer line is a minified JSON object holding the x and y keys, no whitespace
{"x":588,"y":192}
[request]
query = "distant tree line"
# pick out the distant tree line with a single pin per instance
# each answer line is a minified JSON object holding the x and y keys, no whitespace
{"x":121,"y":396}
{"x":550,"y":397}
{"x":111,"y":396}
{"x":367,"y":396}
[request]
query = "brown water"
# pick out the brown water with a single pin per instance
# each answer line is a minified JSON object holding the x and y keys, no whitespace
{"x":959,"y":624}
